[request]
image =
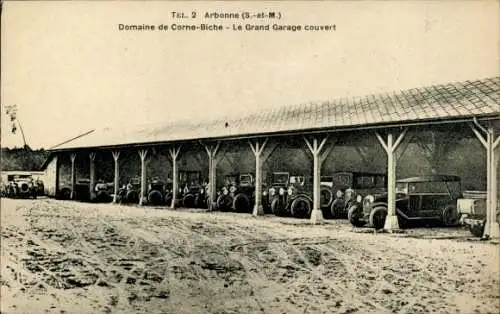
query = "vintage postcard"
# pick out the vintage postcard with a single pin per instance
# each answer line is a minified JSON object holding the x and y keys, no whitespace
{"x":250,"y":157}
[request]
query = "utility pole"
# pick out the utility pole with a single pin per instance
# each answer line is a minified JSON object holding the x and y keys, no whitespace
{"x":11,"y":111}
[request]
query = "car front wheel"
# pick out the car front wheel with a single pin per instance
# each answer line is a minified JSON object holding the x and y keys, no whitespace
{"x":355,"y":215}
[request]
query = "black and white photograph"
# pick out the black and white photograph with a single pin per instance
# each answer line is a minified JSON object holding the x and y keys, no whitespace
{"x":227,"y":157}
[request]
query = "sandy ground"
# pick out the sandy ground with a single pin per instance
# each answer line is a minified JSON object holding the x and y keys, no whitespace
{"x":68,"y":257}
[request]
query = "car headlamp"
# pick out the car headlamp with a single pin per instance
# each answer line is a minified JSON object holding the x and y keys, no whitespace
{"x":290,"y":191}
{"x":180,"y":190}
{"x":359,"y":198}
{"x":339,"y":194}
{"x":272,"y":191}
{"x":369,"y":198}
{"x":225,"y":191}
{"x":282,"y":191}
{"x":232,"y":189}
{"x":202,"y":191}
{"x":264,"y":193}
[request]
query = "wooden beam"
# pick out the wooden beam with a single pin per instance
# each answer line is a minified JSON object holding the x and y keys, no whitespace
{"x":142,"y":197}
{"x":478,"y":135}
{"x":382,"y":142}
{"x":174,"y":154}
{"x":116,"y":155}
{"x":257,"y":148}
{"x":92,"y":176}
{"x":73,"y":176}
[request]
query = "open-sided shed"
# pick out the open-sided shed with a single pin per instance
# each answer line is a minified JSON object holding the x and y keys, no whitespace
{"x":434,"y":117}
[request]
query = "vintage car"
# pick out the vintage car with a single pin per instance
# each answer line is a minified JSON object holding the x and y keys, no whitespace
{"x":130,"y":193}
{"x":275,"y":194}
{"x":353,"y":187}
{"x":156,"y":192}
{"x":191,"y":190}
{"x":431,"y":198}
{"x":241,"y":193}
{"x":103,"y":191}
{"x":226,"y":194}
{"x":472,"y":211}
{"x":81,"y":193}
{"x":299,"y":196}
{"x":21,"y":187}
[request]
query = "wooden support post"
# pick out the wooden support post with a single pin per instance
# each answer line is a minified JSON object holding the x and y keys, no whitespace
{"x":390,"y":146}
{"x":142,"y":197}
{"x":318,"y":159}
{"x":116,"y":155}
{"x":492,"y":227}
{"x":73,"y":176}
{"x":92,"y":177}
{"x":257,"y":148}
{"x":212,"y":174}
{"x":174,"y":154}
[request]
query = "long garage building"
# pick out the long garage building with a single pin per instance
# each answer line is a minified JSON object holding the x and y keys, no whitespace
{"x":442,"y":129}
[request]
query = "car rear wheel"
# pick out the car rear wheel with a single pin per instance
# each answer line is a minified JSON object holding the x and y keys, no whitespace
{"x":450,"y":216}
{"x":241,"y":203}
{"x":355,"y":215}
{"x":377,"y":217}
{"x":300,"y":207}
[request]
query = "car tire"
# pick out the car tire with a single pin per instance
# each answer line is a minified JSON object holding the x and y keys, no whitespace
{"x":241,"y":203}
{"x":477,"y":230}
{"x":300,"y":207}
{"x":188,"y":201}
{"x":337,"y":208}
{"x":155,"y":198}
{"x":354,"y":214}
{"x":132,"y":197}
{"x":377,"y":217}
{"x":224,"y":202}
{"x":450,"y":216}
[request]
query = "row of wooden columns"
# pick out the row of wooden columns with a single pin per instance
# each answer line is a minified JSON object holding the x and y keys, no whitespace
{"x":320,"y":148}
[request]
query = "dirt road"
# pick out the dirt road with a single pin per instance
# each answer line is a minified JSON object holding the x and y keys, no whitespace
{"x":68,"y":257}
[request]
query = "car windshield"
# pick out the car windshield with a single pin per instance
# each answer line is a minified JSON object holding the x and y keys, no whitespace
{"x":451,"y":188}
{"x":369,"y":181}
{"x":246,"y":178}
{"x":297,"y":180}
{"x":342,"y":179}
{"x":280,"y":178}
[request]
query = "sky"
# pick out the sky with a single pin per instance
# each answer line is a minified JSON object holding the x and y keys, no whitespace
{"x":69,"y":69}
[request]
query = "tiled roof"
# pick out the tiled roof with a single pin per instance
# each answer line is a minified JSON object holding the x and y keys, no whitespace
{"x":447,"y":101}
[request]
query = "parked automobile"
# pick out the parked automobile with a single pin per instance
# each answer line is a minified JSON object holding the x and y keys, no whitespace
{"x":81,"y":193}
{"x":244,"y":198}
{"x":431,"y":198}
{"x":156,"y":192}
{"x":299,"y":201}
{"x":129,"y":193}
{"x":352,"y":187}
{"x":225,"y":196}
{"x":103,"y":191}
{"x":275,"y":195}
{"x":472,"y":211}
{"x":21,"y":187}
{"x":191,"y":189}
